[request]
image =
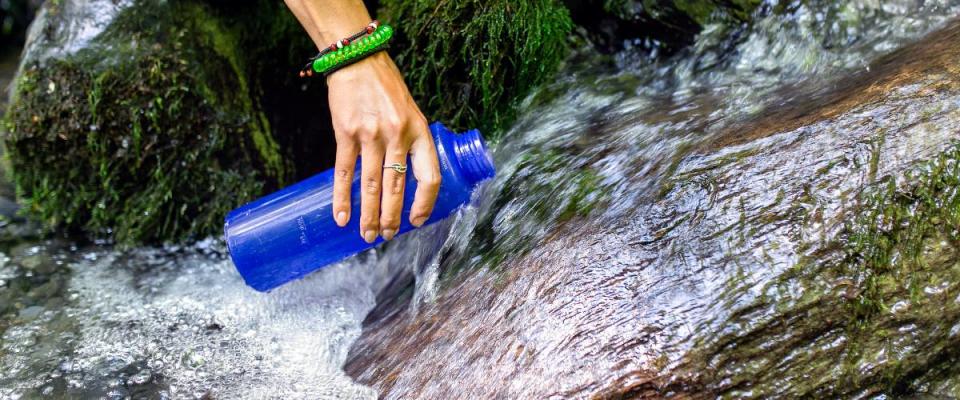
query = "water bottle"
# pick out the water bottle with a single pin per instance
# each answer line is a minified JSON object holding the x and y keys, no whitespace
{"x":290,"y":233}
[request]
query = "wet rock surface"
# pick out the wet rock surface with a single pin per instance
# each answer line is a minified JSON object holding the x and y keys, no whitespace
{"x":805,"y":249}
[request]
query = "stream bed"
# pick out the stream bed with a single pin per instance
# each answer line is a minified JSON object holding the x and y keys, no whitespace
{"x":774,"y":215}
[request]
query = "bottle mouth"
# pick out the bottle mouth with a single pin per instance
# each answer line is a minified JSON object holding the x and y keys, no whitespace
{"x":474,"y":158}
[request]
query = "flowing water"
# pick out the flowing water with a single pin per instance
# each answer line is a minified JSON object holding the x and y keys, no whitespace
{"x":641,"y":239}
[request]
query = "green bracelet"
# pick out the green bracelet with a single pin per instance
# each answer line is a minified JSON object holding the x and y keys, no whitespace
{"x":355,"y":51}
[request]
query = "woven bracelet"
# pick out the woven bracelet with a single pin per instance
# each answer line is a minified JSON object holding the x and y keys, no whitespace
{"x":357,"y":50}
{"x":370,"y":28}
{"x":350,"y":50}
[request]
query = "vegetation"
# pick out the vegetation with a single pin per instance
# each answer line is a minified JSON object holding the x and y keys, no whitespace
{"x":895,"y":248}
{"x":469,"y":61}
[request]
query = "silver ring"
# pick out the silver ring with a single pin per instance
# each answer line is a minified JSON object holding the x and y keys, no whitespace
{"x":400,"y":168}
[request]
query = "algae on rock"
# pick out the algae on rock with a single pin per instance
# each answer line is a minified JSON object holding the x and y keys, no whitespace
{"x":147,"y":132}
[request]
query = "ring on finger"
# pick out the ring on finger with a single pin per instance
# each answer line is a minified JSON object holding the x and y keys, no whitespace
{"x":400,"y":168}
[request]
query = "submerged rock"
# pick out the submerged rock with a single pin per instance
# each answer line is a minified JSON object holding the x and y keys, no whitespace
{"x":803,"y":247}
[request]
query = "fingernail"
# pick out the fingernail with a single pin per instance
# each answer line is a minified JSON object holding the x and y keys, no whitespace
{"x":342,"y":218}
{"x":418,"y":221}
{"x":388,"y":234}
{"x":370,"y":236}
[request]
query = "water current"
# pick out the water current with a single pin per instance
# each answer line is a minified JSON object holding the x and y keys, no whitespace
{"x":629,"y":193}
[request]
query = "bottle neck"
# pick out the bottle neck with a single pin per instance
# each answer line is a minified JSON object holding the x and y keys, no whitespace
{"x":471,"y":153}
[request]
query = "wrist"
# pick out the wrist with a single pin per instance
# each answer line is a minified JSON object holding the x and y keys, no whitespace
{"x":344,"y":25}
{"x":365,"y":67}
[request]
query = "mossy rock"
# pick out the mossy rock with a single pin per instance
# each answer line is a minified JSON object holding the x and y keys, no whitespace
{"x":145,"y":132}
{"x":468,"y":62}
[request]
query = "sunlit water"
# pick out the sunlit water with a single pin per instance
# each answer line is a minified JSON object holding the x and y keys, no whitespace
{"x":603,"y":169}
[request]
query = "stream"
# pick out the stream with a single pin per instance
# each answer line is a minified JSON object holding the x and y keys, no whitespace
{"x":657,"y":228}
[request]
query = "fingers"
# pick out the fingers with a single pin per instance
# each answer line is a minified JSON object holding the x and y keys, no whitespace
{"x":393,"y":183}
{"x":370,"y":180}
{"x":343,"y":179}
{"x":426,"y":168}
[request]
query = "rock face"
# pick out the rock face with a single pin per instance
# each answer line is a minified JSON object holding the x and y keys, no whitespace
{"x":807,"y":248}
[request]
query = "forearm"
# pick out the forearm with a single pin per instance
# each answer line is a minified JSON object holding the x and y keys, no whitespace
{"x":327,"y":21}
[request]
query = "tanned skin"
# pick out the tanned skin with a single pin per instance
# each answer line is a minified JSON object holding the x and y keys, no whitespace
{"x":374,"y":117}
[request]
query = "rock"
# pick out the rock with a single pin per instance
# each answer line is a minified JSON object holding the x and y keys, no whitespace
{"x":31,"y":312}
{"x":663,"y":26}
{"x":8,"y":209}
{"x":142,"y":120}
{"x":807,"y":250}
{"x":40,"y":263}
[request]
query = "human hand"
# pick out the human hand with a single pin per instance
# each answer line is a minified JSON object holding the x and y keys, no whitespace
{"x":374,"y":116}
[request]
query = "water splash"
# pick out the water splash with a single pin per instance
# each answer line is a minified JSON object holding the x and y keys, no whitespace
{"x":180,"y":323}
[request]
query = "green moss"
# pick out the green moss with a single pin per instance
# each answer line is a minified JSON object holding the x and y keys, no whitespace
{"x":224,"y":41}
{"x":886,"y":245}
{"x":469,"y":62}
{"x":828,"y":326}
{"x":148,"y":134}
{"x":904,"y":247}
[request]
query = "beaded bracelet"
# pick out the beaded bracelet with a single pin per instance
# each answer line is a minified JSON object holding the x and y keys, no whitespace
{"x":360,"y":45}
{"x":370,"y":28}
{"x":354,"y":52}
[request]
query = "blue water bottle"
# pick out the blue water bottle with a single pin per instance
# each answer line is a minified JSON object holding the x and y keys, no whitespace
{"x":290,"y":233}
